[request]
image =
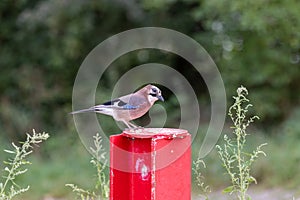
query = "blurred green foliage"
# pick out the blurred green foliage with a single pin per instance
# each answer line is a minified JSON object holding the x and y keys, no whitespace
{"x":259,"y":47}
{"x":44,"y":42}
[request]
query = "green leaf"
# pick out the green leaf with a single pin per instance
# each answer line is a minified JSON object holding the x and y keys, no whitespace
{"x":9,"y":151}
{"x":252,"y":179}
{"x":229,"y":189}
{"x":7,"y":169}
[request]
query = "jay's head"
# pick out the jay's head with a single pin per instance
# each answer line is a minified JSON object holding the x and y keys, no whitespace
{"x":153,"y":93}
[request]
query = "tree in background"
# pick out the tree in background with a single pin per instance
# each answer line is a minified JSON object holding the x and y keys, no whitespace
{"x":44,"y":42}
{"x":257,"y":43}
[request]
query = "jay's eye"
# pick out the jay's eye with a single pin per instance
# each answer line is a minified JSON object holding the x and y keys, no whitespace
{"x":154,"y":90}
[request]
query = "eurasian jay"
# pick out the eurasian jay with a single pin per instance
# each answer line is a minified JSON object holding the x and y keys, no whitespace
{"x":129,"y":107}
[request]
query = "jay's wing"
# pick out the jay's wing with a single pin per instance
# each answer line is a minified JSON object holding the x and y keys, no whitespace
{"x":122,"y":103}
{"x":128,"y":102}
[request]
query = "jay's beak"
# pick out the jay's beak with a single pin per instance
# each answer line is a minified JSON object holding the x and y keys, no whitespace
{"x":161,"y":98}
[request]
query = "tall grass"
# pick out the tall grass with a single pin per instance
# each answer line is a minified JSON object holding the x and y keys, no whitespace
{"x":16,"y":166}
{"x":101,"y":188}
{"x":235,"y":159}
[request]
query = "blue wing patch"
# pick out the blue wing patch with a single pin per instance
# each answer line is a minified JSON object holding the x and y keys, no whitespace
{"x":129,"y":107}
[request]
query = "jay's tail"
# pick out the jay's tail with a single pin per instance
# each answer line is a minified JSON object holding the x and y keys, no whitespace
{"x":83,"y":111}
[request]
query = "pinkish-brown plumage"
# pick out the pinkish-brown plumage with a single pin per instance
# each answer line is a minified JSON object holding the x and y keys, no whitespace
{"x":129,"y":107}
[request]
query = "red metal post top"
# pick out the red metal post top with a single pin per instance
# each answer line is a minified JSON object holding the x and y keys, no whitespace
{"x":150,"y":164}
{"x":167,"y":133}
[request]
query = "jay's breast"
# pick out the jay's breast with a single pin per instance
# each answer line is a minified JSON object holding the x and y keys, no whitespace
{"x":129,"y":115}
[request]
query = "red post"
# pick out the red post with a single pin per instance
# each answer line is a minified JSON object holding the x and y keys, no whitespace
{"x":150,"y":164}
